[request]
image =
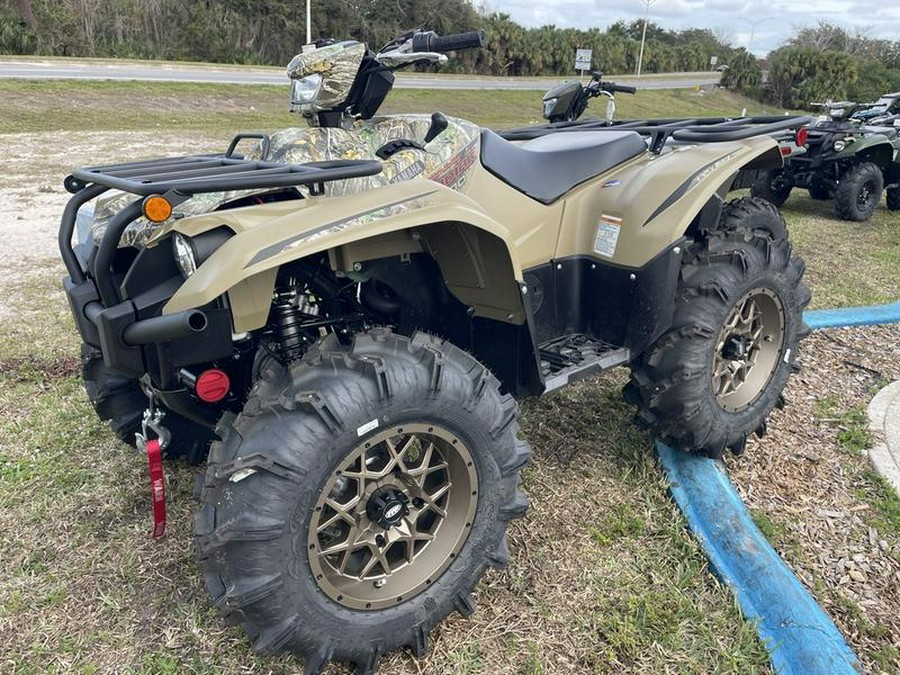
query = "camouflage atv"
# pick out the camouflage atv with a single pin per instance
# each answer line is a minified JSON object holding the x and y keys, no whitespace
{"x":350,"y":313}
{"x":841,"y":160}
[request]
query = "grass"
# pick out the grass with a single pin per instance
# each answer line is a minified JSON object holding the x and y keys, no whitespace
{"x":604,"y":576}
{"x":126,"y":106}
{"x":848,"y":264}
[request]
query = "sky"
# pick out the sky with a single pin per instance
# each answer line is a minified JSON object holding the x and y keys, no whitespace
{"x":770,"y":22}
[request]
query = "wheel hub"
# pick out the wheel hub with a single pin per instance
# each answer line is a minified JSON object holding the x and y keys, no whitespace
{"x":748,"y":349}
{"x":387,"y":507}
{"x":736,"y":347}
{"x":393,"y":516}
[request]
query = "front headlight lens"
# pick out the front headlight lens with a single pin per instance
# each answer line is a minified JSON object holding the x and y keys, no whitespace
{"x":184,"y":255}
{"x":306,"y":90}
{"x":549,"y":104}
{"x":839,"y":145}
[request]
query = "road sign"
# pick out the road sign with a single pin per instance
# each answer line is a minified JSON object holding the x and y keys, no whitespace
{"x":713,"y":60}
{"x":583,"y":59}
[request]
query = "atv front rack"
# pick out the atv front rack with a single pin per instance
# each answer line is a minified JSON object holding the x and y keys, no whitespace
{"x":659,"y":131}
{"x":195,"y":174}
{"x":178,"y":179}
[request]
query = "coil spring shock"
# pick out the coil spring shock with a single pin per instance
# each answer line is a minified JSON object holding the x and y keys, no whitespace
{"x":291,"y":308}
{"x":288,"y":334}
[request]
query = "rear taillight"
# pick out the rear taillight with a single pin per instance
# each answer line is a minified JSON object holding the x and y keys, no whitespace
{"x":801,"y":136}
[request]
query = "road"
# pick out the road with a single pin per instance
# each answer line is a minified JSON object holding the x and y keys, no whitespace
{"x":168,"y":72}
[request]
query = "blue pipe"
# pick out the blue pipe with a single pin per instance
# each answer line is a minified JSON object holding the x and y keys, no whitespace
{"x":800,"y":637}
{"x":853,"y":316}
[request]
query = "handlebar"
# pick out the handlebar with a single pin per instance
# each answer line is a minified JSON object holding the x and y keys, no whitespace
{"x":613,"y":88}
{"x":430,"y":41}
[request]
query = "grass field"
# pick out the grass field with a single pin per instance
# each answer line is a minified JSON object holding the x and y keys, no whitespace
{"x":70,"y":105}
{"x":604,"y":576}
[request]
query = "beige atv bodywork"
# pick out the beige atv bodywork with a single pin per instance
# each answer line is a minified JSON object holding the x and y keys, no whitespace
{"x":483,"y":234}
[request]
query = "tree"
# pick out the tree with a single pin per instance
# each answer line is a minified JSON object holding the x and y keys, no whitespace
{"x":744,"y":73}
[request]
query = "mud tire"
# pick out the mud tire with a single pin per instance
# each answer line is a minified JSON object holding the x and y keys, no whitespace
{"x":849,"y":200}
{"x":119,"y":400}
{"x":765,"y":187}
{"x":298,"y":425}
{"x":892,"y":197}
{"x":672,"y":381}
{"x":819,"y":190}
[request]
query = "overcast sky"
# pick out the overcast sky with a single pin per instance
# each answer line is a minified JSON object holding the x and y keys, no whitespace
{"x":774,"y":19}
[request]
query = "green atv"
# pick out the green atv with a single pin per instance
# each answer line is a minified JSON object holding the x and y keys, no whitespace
{"x":350,"y":312}
{"x":840,"y":160}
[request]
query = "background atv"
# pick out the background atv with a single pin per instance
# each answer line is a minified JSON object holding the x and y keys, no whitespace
{"x":850,"y":163}
{"x":353,"y":308}
{"x":886,"y":106}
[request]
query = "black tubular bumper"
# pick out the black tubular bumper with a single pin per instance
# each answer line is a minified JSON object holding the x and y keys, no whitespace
{"x":121,"y":313}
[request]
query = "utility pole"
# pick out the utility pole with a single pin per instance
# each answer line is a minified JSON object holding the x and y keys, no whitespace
{"x":640,"y":62}
{"x":308,"y":24}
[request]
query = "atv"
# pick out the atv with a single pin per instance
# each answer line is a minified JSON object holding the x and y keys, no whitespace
{"x":348,"y":314}
{"x":838,"y":159}
{"x":887,"y":105}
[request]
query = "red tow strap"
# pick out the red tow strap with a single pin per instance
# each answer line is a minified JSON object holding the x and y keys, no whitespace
{"x":157,"y":488}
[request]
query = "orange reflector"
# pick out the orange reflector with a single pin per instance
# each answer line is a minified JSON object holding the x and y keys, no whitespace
{"x":156,"y":209}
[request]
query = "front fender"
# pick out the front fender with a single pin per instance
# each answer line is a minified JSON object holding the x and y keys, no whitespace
{"x":269,"y":236}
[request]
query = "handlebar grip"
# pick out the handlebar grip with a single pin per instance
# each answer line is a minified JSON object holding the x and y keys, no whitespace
{"x":622,"y":89}
{"x":431,"y":42}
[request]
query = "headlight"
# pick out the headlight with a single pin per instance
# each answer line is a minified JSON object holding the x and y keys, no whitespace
{"x":839,"y":145}
{"x":306,"y":90}
{"x":549,"y":104}
{"x":184,"y":255}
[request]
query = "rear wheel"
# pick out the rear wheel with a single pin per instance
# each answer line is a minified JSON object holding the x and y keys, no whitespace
{"x":893,"y":198}
{"x":359,"y":497}
{"x":772,"y":186}
{"x":712,"y":379}
{"x":859,"y":192}
{"x":120,"y":401}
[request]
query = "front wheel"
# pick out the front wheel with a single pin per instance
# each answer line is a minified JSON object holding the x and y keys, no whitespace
{"x":859,"y":192}
{"x":359,"y":497}
{"x":772,"y":186}
{"x":711,"y":380}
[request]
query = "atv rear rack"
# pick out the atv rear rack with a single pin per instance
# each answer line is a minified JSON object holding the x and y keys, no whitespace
{"x":686,"y":130}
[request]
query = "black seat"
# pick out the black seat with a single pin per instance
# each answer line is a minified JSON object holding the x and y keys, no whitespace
{"x":547,"y":167}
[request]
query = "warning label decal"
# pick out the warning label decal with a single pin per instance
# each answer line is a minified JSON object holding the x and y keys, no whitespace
{"x":607,"y":235}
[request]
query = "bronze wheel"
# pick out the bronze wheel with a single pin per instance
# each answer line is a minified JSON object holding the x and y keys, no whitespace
{"x":748,"y":349}
{"x":710,"y":381}
{"x":393,"y":516}
{"x":359,"y":497}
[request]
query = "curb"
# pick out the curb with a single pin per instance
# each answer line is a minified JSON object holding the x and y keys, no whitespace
{"x":800,"y":636}
{"x":884,"y":420}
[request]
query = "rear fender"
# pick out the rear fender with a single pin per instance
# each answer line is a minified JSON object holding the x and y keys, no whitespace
{"x":649,"y":205}
{"x":414,"y":216}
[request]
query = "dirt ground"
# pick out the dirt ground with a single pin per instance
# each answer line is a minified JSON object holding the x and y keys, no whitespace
{"x":32,"y":197}
{"x":603,"y":578}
